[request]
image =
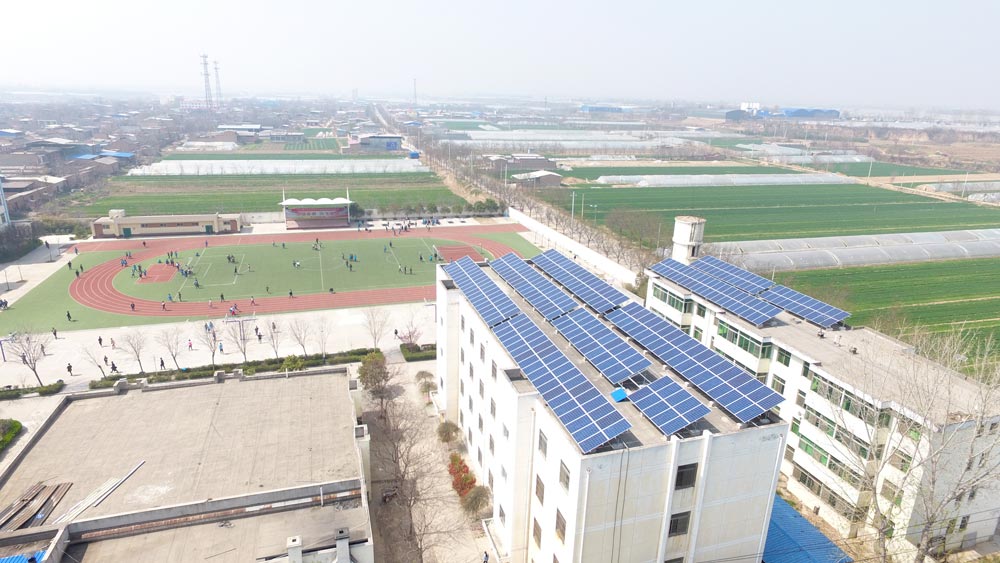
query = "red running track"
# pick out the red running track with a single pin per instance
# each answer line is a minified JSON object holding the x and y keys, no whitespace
{"x":95,"y":288}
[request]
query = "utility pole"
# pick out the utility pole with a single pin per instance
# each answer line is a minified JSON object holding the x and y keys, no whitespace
{"x":218,"y":86}
{"x":208,"y":84}
{"x":572,"y":208}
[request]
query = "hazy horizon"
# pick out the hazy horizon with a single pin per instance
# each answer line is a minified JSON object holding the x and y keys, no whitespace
{"x":891,"y":54}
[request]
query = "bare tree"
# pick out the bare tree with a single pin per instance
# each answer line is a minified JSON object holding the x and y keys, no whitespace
{"x":411,"y":332}
{"x":93,"y":359}
{"x":170,"y":338}
{"x":323,"y":328}
{"x":376,"y":321}
{"x":300,"y":334}
{"x":135,"y":343}
{"x":211,"y":341}
{"x":238,"y":335}
{"x":30,"y":347}
{"x":274,"y":337}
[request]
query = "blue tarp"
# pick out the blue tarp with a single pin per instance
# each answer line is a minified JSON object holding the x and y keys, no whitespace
{"x":792,"y":539}
{"x":22,"y":558}
{"x":118,"y":154}
{"x":85,"y":156}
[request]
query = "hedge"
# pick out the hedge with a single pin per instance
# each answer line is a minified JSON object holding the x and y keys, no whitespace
{"x":9,"y":429}
{"x":17,"y":392}
{"x":418,"y":353}
{"x":253,"y":366}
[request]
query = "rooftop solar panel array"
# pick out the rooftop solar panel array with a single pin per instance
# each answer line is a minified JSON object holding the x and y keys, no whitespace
{"x":587,"y":415}
{"x":536,"y":289}
{"x":728,"y":385}
{"x":484,"y":294}
{"x":668,"y":405}
{"x":610,"y":354}
{"x":810,"y":309}
{"x":591,"y":289}
{"x":740,"y":303}
{"x":733,"y":275}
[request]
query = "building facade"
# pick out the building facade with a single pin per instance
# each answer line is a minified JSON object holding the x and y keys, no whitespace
{"x":702,"y":493}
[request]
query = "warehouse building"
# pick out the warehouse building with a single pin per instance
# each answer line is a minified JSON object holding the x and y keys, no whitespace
{"x":594,"y":449}
{"x":118,"y":225}
{"x":882,"y":438}
{"x":538,"y":179}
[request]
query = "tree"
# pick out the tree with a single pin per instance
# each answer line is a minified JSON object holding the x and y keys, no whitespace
{"x":135,"y":343}
{"x":93,"y":359}
{"x":411,"y":332}
{"x":274,"y":337}
{"x":323,"y":328}
{"x":376,"y":320}
{"x":30,"y":347}
{"x":377,"y":378}
{"x":239,"y":336}
{"x":447,"y":431}
{"x":211,"y":341}
{"x":300,"y":334}
{"x":170,"y":338}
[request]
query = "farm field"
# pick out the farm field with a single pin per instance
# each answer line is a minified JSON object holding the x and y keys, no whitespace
{"x":731,"y":142}
{"x":767,"y":212}
{"x":462,"y":125}
{"x":313,"y":131}
{"x":314,"y":145}
{"x":592,"y":173}
{"x":940,"y":296}
{"x":882,"y":169}
{"x":159,"y":195}
{"x":272,"y":156}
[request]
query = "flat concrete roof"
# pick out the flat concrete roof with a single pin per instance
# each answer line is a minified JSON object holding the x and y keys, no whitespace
{"x":234,"y":541}
{"x":202,"y":442}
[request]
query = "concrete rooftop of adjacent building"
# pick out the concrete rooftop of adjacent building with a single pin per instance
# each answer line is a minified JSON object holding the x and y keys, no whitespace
{"x":197,"y":443}
{"x":232,"y":541}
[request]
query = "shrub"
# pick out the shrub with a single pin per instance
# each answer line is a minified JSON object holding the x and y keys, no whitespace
{"x":418,"y":353}
{"x":463,"y":484}
{"x":8,"y":394}
{"x":51,"y":389}
{"x":292,"y":363}
{"x":475,"y":500}
{"x":9,"y":429}
{"x":447,"y":431}
{"x":107,"y":382}
{"x":427,"y":386}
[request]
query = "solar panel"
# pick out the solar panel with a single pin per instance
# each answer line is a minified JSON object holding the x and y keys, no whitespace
{"x":668,"y":405}
{"x":733,"y":275}
{"x":486,"y":297}
{"x":591,"y":289}
{"x":740,"y":303}
{"x":810,"y":309}
{"x":587,"y":415}
{"x":607,"y":351}
{"x":536,"y":289}
{"x":725,"y":382}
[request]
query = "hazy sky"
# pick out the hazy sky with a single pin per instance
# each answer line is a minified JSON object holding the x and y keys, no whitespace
{"x":894,"y":53}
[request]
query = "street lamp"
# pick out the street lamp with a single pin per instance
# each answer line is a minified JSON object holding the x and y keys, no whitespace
{"x":594,"y":207}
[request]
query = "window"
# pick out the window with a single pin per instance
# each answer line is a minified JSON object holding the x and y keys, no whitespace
{"x":838,"y":503}
{"x":506,"y":433}
{"x":543,"y":444}
{"x":539,"y":490}
{"x":800,"y":399}
{"x":686,"y":476}
{"x":900,"y":461}
{"x":795,"y":426}
{"x":461,"y":355}
{"x":891,"y":492}
{"x":493,"y":408}
{"x":964,"y":524}
{"x":470,"y":436}
{"x":503,"y":473}
{"x":490,"y":479}
{"x":697,"y":334}
{"x":679,"y":524}
{"x":472,"y":337}
{"x":479,"y":455}
{"x":470,"y":404}
{"x":561,"y":526}
{"x":972,"y":493}
{"x":675,"y":560}
{"x":959,"y":497}
{"x":789,"y":453}
{"x":482,"y":352}
{"x":743,"y":340}
{"x":491,"y":444}
{"x":481,"y":394}
{"x":461,"y":417}
{"x":461,"y":388}
{"x":913,"y":432}
{"x":784,"y":357}
{"x":472,"y":374}
{"x":951,"y":527}
{"x":993,"y":427}
{"x":480,"y":423}
{"x":493,"y":370}
{"x":462,"y":318}
{"x":778,"y":384}
{"x":564,"y":475}
{"x":537,"y":533}
{"x":503,"y":516}
{"x":700,"y":311}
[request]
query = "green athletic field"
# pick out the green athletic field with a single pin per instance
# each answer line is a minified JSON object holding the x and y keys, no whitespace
{"x":592,"y":173}
{"x":263,"y":267}
{"x":882,"y":169}
{"x":161,"y":195}
{"x":940,"y":296}
{"x":766,"y":212}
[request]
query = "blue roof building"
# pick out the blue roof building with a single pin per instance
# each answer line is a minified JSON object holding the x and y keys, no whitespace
{"x":793,"y":539}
